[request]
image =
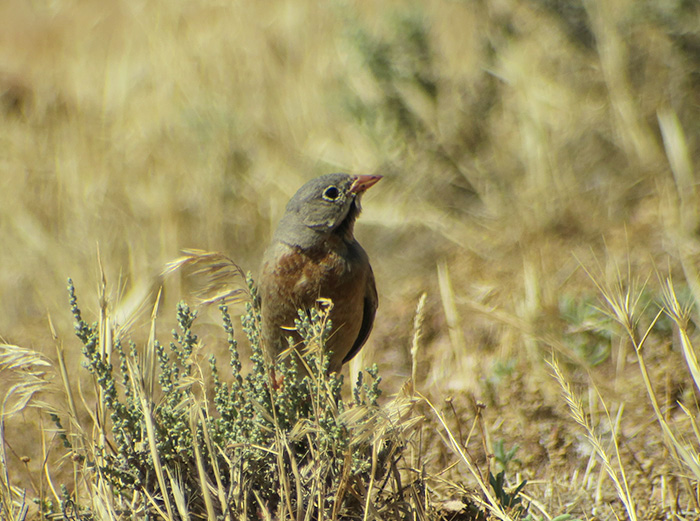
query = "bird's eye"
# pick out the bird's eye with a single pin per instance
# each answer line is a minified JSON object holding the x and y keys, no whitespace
{"x":331,"y":193}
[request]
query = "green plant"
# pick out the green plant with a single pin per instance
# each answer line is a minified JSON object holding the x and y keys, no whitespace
{"x":510,"y":501}
{"x":589,"y":331}
{"x":502,"y":456}
{"x":258,"y":448}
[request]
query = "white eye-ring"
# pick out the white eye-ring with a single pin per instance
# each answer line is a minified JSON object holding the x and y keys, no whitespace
{"x":331,"y":193}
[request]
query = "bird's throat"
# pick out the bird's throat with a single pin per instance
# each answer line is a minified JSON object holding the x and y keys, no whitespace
{"x":346,"y":227}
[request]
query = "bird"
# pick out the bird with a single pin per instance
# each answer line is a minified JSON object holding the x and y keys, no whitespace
{"x":314,"y":255}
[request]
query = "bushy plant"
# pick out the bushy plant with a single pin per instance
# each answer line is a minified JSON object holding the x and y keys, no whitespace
{"x":277,"y":442}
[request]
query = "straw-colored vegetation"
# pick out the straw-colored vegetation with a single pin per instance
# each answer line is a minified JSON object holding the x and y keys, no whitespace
{"x":535,"y":244}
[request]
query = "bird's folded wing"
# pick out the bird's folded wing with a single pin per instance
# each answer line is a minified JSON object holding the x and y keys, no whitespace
{"x":369,"y":310}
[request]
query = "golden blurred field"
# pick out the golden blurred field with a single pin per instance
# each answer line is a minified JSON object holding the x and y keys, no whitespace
{"x":523,"y":143}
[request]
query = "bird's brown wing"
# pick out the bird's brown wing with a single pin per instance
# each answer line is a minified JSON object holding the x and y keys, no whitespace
{"x":368,"y":311}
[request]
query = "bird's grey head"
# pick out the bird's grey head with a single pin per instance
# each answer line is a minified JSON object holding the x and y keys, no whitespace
{"x":324,"y":206}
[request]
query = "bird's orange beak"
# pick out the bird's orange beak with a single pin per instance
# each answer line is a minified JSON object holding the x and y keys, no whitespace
{"x":363,"y":182}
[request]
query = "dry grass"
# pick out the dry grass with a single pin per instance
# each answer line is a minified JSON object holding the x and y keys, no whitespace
{"x":525,"y":145}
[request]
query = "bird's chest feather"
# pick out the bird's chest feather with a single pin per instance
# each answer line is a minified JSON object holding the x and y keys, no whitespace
{"x":301,"y":278}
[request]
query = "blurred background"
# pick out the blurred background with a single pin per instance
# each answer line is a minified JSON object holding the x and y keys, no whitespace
{"x":519,"y":139}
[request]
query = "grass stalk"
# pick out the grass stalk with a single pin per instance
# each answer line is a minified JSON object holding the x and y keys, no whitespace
{"x":492,"y":504}
{"x":578,"y":414}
